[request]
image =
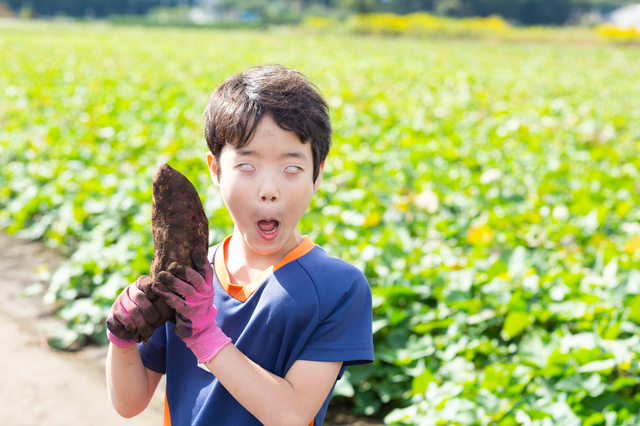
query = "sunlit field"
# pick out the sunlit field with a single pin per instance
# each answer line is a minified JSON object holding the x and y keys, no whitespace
{"x":488,"y":189}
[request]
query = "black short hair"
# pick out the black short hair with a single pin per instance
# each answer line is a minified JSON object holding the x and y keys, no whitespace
{"x":236,"y":106}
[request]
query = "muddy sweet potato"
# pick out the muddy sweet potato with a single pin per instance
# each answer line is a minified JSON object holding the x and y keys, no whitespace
{"x":179,"y":225}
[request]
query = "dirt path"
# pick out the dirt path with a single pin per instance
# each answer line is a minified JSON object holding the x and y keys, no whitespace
{"x":39,"y":385}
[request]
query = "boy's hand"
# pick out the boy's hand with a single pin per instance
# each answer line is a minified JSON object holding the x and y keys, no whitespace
{"x":190,"y":292}
{"x":145,"y":284}
{"x":133,"y":317}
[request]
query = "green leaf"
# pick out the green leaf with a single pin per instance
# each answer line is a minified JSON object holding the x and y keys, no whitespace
{"x":536,"y":350}
{"x":514,"y":324}
{"x":591,"y":384}
{"x":420,"y":383}
{"x":624,"y":382}
{"x":598,"y":366}
{"x":634,"y":313}
{"x":517,"y":261}
{"x":594,"y":419}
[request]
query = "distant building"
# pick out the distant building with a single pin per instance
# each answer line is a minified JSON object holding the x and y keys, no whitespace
{"x":206,"y":12}
{"x":626,"y":17}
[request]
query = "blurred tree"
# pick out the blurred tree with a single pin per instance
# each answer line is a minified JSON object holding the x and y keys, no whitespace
{"x":543,"y":11}
{"x":406,"y":6}
{"x":99,"y":8}
{"x":504,"y":8}
{"x":360,"y":6}
{"x":527,"y":12}
{"x":602,"y":5}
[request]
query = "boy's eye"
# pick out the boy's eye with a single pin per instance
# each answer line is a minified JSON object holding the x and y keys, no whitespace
{"x":293,"y":169}
{"x":245,"y":166}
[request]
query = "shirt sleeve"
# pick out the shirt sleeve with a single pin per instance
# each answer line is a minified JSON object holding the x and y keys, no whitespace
{"x":344,"y":332}
{"x":154,"y":353}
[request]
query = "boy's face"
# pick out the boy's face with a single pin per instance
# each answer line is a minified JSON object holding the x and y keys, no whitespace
{"x":267,"y":186}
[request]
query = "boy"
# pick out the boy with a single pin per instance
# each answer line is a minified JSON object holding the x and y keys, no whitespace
{"x":268,"y":323}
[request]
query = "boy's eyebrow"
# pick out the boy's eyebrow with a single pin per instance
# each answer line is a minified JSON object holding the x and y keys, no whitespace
{"x":251,"y":152}
{"x":246,"y":152}
{"x":295,"y":154}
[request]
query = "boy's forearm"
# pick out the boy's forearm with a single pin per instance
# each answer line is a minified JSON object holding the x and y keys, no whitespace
{"x":293,"y":400}
{"x":129,"y":383}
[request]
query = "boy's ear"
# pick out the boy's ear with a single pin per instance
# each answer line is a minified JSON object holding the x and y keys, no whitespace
{"x":213,"y":169}
{"x":316,"y":184}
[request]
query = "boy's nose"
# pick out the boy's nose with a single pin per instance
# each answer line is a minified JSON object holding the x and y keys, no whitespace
{"x":268,"y":192}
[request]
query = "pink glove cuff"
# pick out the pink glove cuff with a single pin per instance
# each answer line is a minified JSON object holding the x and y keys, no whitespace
{"x":209,"y":344}
{"x":120,"y":342}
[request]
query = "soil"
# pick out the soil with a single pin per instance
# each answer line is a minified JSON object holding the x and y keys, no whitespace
{"x":41,"y":385}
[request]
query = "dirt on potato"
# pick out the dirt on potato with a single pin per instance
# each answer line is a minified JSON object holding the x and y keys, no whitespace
{"x":178,"y":221}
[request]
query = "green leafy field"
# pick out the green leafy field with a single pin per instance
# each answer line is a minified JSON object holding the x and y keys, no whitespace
{"x":489,"y":191}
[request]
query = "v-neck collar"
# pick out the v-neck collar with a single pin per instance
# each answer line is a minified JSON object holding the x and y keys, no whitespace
{"x":243,"y":292}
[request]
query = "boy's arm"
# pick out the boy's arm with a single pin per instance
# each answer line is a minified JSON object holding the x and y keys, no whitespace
{"x":292,"y":400}
{"x":133,"y":318}
{"x":129,"y":383}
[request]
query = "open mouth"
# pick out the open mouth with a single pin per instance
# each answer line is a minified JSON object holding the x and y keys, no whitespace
{"x":268,"y":228}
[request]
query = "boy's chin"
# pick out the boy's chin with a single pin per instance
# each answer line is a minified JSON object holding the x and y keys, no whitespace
{"x":261,"y":245}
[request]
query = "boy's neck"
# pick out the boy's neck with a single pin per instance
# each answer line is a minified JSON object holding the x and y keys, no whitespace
{"x":244,"y":264}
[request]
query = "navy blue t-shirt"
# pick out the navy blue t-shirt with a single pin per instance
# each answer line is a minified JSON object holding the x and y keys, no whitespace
{"x":310,"y":306}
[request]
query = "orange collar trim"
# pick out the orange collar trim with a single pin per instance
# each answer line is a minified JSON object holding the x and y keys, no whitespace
{"x":243,"y":292}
